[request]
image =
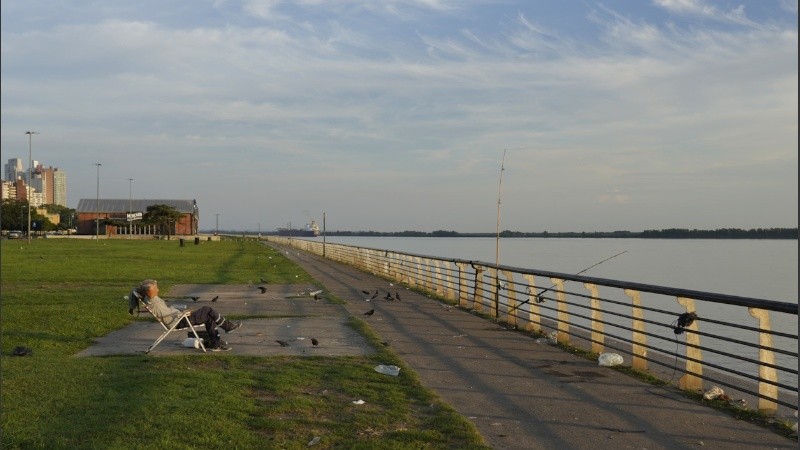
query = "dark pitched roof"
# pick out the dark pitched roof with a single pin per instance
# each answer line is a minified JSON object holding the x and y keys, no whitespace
{"x":105,"y":205}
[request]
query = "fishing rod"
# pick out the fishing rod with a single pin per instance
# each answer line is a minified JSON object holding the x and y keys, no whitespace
{"x":497,"y":236}
{"x":539,"y":294}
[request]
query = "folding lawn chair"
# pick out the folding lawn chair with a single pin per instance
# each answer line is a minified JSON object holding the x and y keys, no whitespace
{"x":170,"y":329}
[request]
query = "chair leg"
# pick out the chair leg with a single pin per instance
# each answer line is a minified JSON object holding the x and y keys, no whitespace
{"x":171,"y":329}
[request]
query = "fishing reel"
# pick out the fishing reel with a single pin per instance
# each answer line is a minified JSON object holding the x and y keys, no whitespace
{"x":684,"y":320}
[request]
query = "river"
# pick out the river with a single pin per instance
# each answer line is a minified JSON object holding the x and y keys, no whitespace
{"x":765,"y":269}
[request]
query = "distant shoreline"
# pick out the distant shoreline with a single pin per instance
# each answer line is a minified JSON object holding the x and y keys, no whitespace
{"x":670,"y":233}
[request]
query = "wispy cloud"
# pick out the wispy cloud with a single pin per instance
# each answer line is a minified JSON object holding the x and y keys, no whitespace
{"x":701,"y":8}
{"x":353,"y":98}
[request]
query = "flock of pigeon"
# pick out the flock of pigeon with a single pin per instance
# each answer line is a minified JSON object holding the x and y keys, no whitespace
{"x":315,"y":341}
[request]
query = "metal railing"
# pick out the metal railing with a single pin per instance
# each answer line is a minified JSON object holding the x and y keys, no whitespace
{"x":748,"y":345}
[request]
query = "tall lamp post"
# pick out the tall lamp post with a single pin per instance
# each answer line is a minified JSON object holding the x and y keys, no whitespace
{"x":130,"y":202}
{"x":217,"y":233}
{"x":97,"y":205}
{"x":30,"y":178}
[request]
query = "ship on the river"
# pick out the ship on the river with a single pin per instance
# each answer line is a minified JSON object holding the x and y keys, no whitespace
{"x":310,"y":230}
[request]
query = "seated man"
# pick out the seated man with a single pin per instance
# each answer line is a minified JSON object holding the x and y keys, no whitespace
{"x":148,"y":293}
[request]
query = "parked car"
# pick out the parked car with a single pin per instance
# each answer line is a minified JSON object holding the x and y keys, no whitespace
{"x":14,"y":234}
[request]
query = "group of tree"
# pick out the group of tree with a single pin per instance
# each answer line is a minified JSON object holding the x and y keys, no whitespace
{"x":14,"y":216}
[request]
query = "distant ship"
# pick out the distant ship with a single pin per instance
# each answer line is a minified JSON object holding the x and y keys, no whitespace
{"x":311,"y":230}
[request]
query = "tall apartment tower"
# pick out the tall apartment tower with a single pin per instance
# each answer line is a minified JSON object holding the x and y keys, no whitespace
{"x":14,"y":169}
{"x":52,"y":183}
{"x":59,"y":187}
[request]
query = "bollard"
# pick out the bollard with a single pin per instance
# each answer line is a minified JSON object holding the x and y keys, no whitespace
{"x":196,"y":240}
{"x":181,"y":242}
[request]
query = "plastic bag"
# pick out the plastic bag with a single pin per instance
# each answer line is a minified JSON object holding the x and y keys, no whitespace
{"x":609,"y":359}
{"x":388,"y":370}
{"x":713,"y":393}
{"x":191,"y":343}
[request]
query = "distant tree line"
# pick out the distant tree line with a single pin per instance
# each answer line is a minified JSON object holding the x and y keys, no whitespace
{"x":669,"y":233}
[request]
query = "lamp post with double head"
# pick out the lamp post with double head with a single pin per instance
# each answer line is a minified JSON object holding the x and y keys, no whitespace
{"x":30,"y":178}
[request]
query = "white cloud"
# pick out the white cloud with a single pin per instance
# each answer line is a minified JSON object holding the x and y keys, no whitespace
{"x":354,"y":103}
{"x":701,"y":9}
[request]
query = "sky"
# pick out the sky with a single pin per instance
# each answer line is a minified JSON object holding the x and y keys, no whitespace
{"x":414,"y":114}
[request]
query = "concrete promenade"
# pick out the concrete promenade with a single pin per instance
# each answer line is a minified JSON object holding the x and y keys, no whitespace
{"x":528,"y":395}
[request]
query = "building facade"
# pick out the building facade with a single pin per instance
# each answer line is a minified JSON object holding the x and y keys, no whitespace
{"x":52,"y":183}
{"x":110,"y":215}
{"x":14,"y":169}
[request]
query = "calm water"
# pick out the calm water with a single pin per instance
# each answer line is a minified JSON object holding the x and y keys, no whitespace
{"x":765,"y":269}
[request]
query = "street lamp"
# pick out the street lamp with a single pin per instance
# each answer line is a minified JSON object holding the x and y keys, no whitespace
{"x":217,"y":233}
{"x":130,"y":201}
{"x":30,"y":178}
{"x":97,"y":205}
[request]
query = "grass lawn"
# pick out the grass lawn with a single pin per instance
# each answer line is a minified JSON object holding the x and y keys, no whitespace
{"x":59,"y":294}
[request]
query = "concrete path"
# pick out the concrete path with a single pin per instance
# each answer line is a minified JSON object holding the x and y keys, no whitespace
{"x":285,"y":312}
{"x":528,"y":395}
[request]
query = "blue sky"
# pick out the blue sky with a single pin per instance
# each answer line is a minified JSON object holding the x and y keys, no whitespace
{"x":394,"y":115}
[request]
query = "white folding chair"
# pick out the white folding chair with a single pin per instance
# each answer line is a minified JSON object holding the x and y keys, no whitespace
{"x":170,"y":329}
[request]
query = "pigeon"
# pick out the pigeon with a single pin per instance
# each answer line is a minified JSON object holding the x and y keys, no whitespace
{"x":262,"y":289}
{"x":374,"y":295}
{"x":370,"y":312}
{"x":316,"y":297}
{"x":194,"y":299}
{"x":314,"y":342}
{"x":365,"y":292}
{"x":215,"y":299}
{"x":397,"y":296}
{"x":283,"y":343}
{"x":388,"y":296}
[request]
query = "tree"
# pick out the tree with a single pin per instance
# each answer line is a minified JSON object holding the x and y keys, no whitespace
{"x":161,"y":216}
{"x":14,"y":216}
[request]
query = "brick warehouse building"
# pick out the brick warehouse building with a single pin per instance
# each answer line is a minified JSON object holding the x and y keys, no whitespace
{"x":90,"y":209}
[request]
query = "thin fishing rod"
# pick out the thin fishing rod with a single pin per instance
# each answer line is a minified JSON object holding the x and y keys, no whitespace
{"x":497,"y":238}
{"x":539,"y":294}
{"x":582,"y":271}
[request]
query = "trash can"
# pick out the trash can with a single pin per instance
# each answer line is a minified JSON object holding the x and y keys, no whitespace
{"x":196,"y":240}
{"x":181,"y":242}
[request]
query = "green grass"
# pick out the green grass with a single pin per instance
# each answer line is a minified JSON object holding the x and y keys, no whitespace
{"x":57,"y":295}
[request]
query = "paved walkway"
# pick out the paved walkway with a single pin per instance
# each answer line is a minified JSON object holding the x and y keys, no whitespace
{"x":524,"y":394}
